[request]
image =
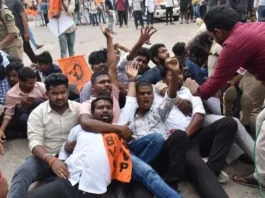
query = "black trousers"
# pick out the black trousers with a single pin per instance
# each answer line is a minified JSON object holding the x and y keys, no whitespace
{"x":171,"y":163}
{"x":61,"y":188}
{"x":46,"y":18}
{"x":214,"y":142}
{"x":122,"y":17}
{"x":28,"y":50}
{"x":150,"y":18}
{"x":169,"y":11}
{"x":138,"y":15}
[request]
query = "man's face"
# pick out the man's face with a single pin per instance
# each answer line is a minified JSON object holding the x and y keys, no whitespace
{"x":43,"y":67}
{"x":103,"y":111}
{"x":102,"y":85}
{"x":58,"y":96}
{"x":162,"y":55}
{"x":100,"y":67}
{"x":145,"y":97}
{"x":28,"y":85}
{"x":12,"y":77}
{"x":218,"y":35}
{"x":143,"y":64}
{"x":180,"y":78}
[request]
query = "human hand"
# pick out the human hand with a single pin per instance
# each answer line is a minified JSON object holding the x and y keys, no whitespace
{"x":69,"y":146}
{"x":146,"y":34}
{"x":172,"y":64}
{"x":126,"y":131}
{"x":185,"y":107}
{"x":3,"y":186}
{"x":2,"y":136}
{"x":191,"y":85}
{"x":106,"y":32}
{"x":60,"y":169}
{"x":132,"y":70}
{"x":27,"y":103}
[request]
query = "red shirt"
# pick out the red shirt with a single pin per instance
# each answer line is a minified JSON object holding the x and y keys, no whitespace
{"x":120,"y":5}
{"x":245,"y":47}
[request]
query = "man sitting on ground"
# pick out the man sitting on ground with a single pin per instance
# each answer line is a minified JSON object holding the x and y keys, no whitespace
{"x":213,"y":141}
{"x":97,"y":168}
{"x":148,"y":117}
{"x":45,"y":66}
{"x":21,"y":99}
{"x":12,"y":72}
{"x":48,"y":128}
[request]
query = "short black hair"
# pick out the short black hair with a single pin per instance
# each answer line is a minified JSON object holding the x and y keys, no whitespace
{"x":145,"y":53}
{"x":98,"y":57}
{"x":101,"y":97}
{"x":198,"y":51}
{"x":221,"y":17}
{"x":44,"y":58}
{"x":142,"y":84}
{"x":179,"y":49}
{"x":26,"y":73}
{"x":154,"y":50}
{"x":2,"y":69}
{"x":14,"y":66}
{"x":54,"y":80}
{"x":97,"y":74}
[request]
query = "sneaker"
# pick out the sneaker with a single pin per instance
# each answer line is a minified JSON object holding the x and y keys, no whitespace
{"x":246,"y":109}
{"x":223,"y":178}
{"x":172,"y":23}
{"x":229,"y":97}
{"x":39,"y":46}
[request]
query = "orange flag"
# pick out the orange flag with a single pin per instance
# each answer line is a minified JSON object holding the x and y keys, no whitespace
{"x":76,"y":69}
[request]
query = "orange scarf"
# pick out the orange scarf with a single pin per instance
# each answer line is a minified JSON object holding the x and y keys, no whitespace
{"x":55,"y":8}
{"x":119,"y":157}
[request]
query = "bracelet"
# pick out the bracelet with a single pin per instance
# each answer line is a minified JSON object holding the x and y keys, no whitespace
{"x":179,"y":102}
{"x":52,"y":160}
{"x":43,"y":159}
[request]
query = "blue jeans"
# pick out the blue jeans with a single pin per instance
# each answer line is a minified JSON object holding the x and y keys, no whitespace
{"x":32,"y":39}
{"x":146,"y":175}
{"x":67,"y":41}
{"x":148,"y":147}
{"x":196,"y":10}
{"x":261,"y":12}
{"x":32,"y":170}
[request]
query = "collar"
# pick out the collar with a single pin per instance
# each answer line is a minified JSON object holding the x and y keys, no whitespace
{"x":70,"y":106}
{"x":20,"y":92}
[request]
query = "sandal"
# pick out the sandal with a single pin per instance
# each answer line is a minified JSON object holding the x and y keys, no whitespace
{"x":249,"y":180}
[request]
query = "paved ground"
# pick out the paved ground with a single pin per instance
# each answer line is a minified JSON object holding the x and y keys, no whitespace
{"x":89,"y":39}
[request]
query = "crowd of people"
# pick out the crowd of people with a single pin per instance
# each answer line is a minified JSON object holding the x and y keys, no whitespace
{"x":135,"y":130}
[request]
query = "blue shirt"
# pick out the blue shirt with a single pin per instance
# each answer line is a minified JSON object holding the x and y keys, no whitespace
{"x":153,"y":75}
{"x":4,"y":87}
{"x":196,"y":72}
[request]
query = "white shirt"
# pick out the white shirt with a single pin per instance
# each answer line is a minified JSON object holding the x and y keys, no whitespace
{"x":176,"y":119}
{"x":150,"y":4}
{"x":169,"y":3}
{"x":154,"y":119}
{"x":50,"y":129}
{"x":88,"y":165}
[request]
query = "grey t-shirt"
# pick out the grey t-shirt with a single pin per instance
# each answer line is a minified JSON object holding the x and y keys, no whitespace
{"x":16,"y":7}
{"x":137,"y":5}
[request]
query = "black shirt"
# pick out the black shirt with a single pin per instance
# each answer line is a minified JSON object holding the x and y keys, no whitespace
{"x":109,"y":4}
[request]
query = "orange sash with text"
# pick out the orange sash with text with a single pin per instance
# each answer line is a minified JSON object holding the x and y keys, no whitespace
{"x":119,"y":157}
{"x":55,"y":8}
